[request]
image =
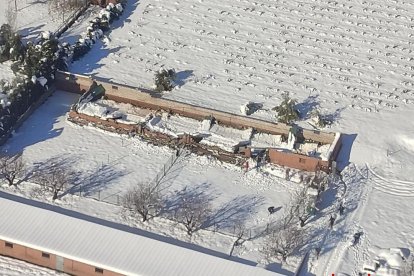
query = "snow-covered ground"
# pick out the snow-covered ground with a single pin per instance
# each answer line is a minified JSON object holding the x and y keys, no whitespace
{"x":353,"y":58}
{"x":13,"y":267}
{"x":106,"y":165}
{"x":339,"y":54}
{"x":32,"y":17}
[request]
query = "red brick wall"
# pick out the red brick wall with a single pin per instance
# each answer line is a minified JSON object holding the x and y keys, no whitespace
{"x":78,"y":268}
{"x":134,"y":96}
{"x":297,"y":161}
{"x":34,"y":256}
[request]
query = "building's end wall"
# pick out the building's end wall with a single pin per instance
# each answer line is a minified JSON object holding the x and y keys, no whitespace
{"x":297,"y":161}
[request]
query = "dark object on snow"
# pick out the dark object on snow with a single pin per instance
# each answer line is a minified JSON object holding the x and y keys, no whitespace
{"x":271,"y":209}
{"x":332,"y":221}
{"x":341,"y":209}
{"x":164,"y":80}
{"x":302,"y":221}
{"x":357,"y":237}
{"x":318,"y":252}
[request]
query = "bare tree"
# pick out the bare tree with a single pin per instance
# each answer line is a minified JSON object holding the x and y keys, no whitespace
{"x":286,"y":236}
{"x":300,"y":207}
{"x":240,"y":231}
{"x":144,"y":199}
{"x":193,"y":212}
{"x":283,"y":240}
{"x":11,"y":166}
{"x":62,"y":7}
{"x":55,"y":178}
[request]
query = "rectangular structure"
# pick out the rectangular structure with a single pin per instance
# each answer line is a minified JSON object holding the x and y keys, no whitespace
{"x":37,"y":233}
{"x":151,"y":100}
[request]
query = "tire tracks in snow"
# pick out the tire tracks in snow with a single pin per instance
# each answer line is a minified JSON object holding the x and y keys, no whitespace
{"x":392,"y":186}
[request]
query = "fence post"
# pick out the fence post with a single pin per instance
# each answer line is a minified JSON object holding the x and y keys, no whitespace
{"x":99,"y":195}
{"x":80,"y":190}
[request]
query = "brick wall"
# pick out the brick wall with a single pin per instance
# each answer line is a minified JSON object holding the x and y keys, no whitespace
{"x":47,"y":259}
{"x":297,"y":161}
{"x":149,"y":99}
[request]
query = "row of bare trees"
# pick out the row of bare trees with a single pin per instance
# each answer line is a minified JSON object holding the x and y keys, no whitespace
{"x":54,"y":177}
{"x":146,"y":201}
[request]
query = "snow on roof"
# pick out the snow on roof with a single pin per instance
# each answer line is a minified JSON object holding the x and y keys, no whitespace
{"x":107,"y":247}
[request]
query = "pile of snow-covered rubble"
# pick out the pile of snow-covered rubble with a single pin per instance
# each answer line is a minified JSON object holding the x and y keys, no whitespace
{"x":212,"y":134}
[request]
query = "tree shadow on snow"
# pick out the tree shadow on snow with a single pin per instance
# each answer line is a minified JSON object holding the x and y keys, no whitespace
{"x":129,"y":9}
{"x":182,"y":76}
{"x":173,"y":201}
{"x":31,"y":32}
{"x":234,"y":212}
{"x":124,"y":228}
{"x":89,"y":183}
{"x":47,"y":165}
{"x":173,"y":172}
{"x":304,"y":108}
{"x":90,"y":62}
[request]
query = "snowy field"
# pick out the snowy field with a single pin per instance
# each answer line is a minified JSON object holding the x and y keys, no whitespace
{"x":13,"y":267}
{"x":341,"y":54}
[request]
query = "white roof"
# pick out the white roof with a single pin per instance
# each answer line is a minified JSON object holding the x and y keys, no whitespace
{"x":103,"y":246}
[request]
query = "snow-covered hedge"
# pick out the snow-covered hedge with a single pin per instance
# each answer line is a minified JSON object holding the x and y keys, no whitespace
{"x":96,"y":29}
{"x":36,"y":63}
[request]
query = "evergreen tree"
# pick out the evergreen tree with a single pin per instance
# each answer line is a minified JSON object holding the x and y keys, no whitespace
{"x":17,"y":49}
{"x":164,"y":80}
{"x":286,"y":111}
{"x":6,"y":34}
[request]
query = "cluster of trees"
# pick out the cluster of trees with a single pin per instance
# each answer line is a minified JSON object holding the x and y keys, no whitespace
{"x":146,"y":201}
{"x":288,"y":113}
{"x":36,"y":62}
{"x":96,"y":29}
{"x":53,"y":178}
{"x":289,"y":233}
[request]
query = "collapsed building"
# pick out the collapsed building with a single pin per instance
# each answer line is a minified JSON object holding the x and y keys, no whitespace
{"x":224,"y":135}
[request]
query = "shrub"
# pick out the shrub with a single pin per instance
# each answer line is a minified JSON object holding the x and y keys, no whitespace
{"x":286,"y":111}
{"x":319,"y":119}
{"x":6,"y":34}
{"x":164,"y":80}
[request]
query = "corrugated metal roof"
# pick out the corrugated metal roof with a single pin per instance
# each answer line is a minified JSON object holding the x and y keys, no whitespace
{"x":106,"y":247}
